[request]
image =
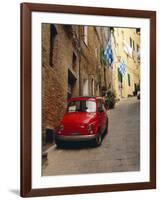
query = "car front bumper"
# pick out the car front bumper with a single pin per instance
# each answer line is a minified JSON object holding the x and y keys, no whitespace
{"x":75,"y":137}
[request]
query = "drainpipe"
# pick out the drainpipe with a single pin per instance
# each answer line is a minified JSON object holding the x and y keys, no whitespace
{"x":79,"y":62}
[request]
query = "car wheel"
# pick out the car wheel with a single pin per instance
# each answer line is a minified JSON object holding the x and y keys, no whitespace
{"x":58,"y":143}
{"x":107,"y":126}
{"x":98,"y":140}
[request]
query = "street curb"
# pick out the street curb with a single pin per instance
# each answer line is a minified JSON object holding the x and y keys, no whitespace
{"x":45,"y":153}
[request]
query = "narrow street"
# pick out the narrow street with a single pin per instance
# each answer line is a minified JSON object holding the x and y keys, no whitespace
{"x":119,"y":150}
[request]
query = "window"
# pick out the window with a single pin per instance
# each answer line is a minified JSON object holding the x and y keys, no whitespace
{"x":82,"y":106}
{"x":53,"y":33}
{"x":133,"y":45}
{"x":120,"y":78}
{"x":130,"y":42}
{"x":71,"y":83}
{"x":129,"y":80}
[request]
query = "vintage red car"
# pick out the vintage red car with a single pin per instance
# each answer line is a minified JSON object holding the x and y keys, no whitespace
{"x":85,"y":119}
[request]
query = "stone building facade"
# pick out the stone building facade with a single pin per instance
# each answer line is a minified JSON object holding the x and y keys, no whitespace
{"x":71,"y":66}
{"x":126,"y":48}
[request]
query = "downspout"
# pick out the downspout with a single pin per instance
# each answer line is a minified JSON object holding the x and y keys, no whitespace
{"x":79,"y":61}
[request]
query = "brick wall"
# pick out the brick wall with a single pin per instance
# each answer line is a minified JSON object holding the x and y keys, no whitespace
{"x":54,"y":78}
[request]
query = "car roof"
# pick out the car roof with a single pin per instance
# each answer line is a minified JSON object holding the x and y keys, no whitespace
{"x":85,"y":98}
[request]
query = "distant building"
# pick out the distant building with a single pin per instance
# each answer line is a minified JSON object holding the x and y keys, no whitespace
{"x":126,"y":66}
{"x":71,"y":66}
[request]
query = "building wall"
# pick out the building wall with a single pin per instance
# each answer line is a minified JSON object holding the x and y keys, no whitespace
{"x":54,"y":78}
{"x":132,"y":64}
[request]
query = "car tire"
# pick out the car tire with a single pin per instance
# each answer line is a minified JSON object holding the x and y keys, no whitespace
{"x":58,"y":143}
{"x":98,"y":140}
{"x":107,"y":126}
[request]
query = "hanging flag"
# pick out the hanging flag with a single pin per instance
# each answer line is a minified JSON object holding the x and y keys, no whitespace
{"x":128,"y":50}
{"x":108,"y":52}
{"x":122,"y":68}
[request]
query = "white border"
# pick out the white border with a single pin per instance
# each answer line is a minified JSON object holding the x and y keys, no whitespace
{"x":88,"y":179}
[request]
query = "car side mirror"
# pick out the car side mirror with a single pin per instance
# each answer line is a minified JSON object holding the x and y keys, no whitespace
{"x":100,"y":110}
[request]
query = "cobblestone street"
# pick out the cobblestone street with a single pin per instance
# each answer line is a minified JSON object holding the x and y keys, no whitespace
{"x":119,"y":150}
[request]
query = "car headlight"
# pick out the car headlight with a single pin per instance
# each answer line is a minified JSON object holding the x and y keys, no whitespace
{"x":61,"y":128}
{"x":90,"y":128}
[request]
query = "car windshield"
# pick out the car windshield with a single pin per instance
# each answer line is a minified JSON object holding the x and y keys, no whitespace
{"x":82,"y":106}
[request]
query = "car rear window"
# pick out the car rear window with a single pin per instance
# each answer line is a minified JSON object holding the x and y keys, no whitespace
{"x":82,"y":106}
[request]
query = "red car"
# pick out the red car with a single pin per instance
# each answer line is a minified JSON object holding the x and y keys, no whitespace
{"x":85,"y":119}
